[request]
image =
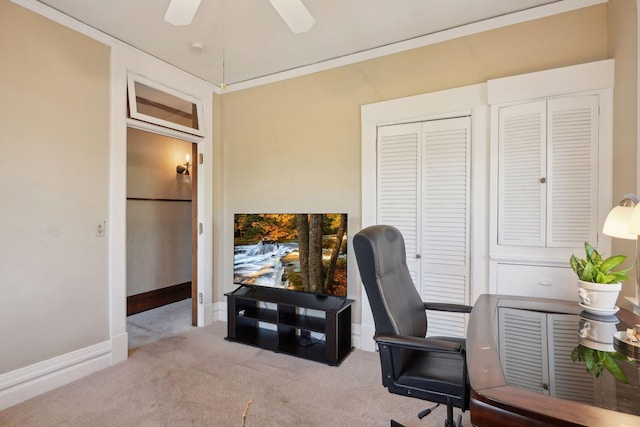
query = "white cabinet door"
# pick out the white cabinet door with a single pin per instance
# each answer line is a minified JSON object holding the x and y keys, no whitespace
{"x":423,"y":190}
{"x":572,"y":165}
{"x":522,"y":174}
{"x":548,"y":173}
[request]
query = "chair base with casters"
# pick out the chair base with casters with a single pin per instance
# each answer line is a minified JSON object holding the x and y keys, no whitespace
{"x":433,"y":369}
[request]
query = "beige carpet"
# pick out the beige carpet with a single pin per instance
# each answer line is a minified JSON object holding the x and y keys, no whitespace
{"x":152,"y":325}
{"x":199,"y":379}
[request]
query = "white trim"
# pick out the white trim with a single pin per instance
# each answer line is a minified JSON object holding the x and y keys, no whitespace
{"x":355,"y":336}
{"x":124,"y":60}
{"x":426,"y":40}
{"x":95,"y":34}
{"x":219,"y":311}
{"x":117,"y":204}
{"x":468,"y":100}
{"x":418,"y":42}
{"x":583,"y":79}
{"x":66,"y":20}
{"x":133,"y":78}
{"x":161,"y":130}
{"x":558,"y":81}
{"x":24,"y":383}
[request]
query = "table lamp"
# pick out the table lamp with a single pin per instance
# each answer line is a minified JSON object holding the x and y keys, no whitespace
{"x":634,"y":228}
{"x":623,"y":222}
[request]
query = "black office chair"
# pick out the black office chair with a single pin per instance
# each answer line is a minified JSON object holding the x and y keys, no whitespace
{"x":433,"y":368}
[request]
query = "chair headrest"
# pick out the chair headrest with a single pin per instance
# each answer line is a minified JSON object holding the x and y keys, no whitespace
{"x":388,"y":247}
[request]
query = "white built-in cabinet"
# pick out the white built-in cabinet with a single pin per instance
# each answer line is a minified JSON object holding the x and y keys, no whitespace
{"x":423,"y":183}
{"x":550,"y":176}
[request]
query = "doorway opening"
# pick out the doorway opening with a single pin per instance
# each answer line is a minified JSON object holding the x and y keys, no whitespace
{"x":161,"y":236}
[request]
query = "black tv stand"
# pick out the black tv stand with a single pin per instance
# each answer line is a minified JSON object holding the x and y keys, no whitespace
{"x":271,"y":318}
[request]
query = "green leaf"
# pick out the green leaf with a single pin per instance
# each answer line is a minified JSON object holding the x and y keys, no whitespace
{"x":614,"y":368}
{"x":589,"y":359}
{"x":617,"y":276}
{"x":576,"y":265}
{"x":587,"y":273}
{"x":599,"y":277}
{"x":589,"y":250}
{"x":575,"y":354}
{"x":612,"y":262}
{"x":619,"y":356}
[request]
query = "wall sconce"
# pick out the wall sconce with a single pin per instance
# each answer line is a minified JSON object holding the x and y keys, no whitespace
{"x":623,"y":222}
{"x":184,"y":169}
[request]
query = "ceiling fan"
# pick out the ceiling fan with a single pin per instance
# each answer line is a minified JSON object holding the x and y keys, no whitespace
{"x":293,"y":12}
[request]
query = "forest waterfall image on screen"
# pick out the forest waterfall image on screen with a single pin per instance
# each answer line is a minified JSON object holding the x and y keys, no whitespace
{"x":301,"y":252}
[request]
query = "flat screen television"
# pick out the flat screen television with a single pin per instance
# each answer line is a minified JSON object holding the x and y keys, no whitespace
{"x":297,"y":252}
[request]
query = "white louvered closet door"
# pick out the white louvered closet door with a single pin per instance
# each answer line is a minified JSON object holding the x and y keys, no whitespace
{"x":398,"y":185}
{"x":572,"y":162}
{"x":522,"y":174}
{"x":444,"y":219}
{"x":423,"y":190}
{"x":547,"y":172}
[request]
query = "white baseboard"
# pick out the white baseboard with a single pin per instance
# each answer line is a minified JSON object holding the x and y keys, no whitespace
{"x":220,"y":311}
{"x":366,"y":337}
{"x":119,"y":348}
{"x":30,"y":381}
{"x":208,"y":314}
{"x":355,"y":336}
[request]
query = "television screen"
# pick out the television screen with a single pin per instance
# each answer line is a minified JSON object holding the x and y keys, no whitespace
{"x":300,"y":252}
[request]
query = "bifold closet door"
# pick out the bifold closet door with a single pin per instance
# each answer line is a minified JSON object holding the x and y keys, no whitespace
{"x":423,"y":190}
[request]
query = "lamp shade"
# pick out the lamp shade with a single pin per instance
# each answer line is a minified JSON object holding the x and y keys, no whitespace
{"x":634,"y":222}
{"x":618,"y":223}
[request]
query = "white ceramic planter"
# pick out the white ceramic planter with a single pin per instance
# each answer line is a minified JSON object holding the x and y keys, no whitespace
{"x":598,"y":296}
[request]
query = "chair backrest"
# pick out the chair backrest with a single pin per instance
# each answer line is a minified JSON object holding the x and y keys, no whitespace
{"x":395,"y":303}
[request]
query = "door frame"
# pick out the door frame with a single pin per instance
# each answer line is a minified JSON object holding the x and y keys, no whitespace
{"x":123,"y":60}
{"x":467,"y":100}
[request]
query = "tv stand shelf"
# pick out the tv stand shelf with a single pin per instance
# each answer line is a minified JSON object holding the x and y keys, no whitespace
{"x":270,"y":318}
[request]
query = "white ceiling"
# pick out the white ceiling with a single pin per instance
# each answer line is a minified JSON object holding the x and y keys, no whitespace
{"x":252,"y":41}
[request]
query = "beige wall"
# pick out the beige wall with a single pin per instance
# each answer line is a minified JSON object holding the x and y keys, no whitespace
{"x":54,"y":135}
{"x":158,"y":232}
{"x":623,"y":47}
{"x":295,"y":145}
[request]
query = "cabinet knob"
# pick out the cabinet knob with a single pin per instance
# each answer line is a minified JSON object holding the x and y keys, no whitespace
{"x":543,"y":180}
{"x":418,"y":256}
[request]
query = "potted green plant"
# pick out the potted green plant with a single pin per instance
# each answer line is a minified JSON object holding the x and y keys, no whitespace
{"x":598,"y":283}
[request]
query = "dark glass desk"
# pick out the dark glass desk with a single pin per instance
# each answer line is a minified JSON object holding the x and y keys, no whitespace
{"x":520,"y":368}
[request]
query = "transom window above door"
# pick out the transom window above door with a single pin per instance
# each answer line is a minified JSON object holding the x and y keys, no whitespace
{"x":154,"y":103}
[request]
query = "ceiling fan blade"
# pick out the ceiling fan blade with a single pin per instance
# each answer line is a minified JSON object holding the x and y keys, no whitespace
{"x":294,"y":14}
{"x":181,"y":12}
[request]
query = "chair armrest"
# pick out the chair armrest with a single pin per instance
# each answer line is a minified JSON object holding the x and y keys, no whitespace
{"x":442,"y":306}
{"x":417,"y":343}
